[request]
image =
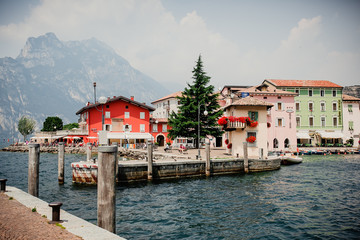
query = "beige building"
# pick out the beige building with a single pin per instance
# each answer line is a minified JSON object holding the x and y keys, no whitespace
{"x":237,"y":133}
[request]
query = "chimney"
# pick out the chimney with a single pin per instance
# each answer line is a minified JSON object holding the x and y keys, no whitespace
{"x":132,"y":98}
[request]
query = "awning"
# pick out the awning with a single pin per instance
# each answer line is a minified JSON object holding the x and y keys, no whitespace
{"x":302,"y":135}
{"x":330,"y":135}
{"x":57,"y":137}
{"x":122,"y":135}
{"x":91,"y":137}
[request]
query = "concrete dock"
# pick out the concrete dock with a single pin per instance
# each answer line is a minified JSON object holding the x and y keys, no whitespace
{"x":18,"y":221}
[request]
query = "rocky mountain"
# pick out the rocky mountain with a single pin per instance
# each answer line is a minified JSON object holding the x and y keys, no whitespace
{"x":352,"y":90}
{"x":55,"y":78}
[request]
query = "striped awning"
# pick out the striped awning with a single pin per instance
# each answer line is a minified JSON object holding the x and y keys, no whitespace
{"x":330,"y":135}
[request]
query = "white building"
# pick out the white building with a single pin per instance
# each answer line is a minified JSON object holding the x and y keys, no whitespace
{"x":351,"y":118}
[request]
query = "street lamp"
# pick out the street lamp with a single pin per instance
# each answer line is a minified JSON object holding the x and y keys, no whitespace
{"x":102,"y":101}
{"x":205,"y":113}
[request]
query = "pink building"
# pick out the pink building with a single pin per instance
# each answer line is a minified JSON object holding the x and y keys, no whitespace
{"x":281,"y":122}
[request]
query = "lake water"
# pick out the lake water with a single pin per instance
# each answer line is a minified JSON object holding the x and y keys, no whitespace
{"x":318,"y":199}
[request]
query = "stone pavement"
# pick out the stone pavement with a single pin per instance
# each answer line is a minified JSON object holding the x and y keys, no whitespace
{"x":17,"y":221}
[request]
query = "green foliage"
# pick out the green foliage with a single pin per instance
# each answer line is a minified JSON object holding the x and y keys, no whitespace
{"x":195,"y":99}
{"x":52,"y":124}
{"x":59,"y":225}
{"x":26,"y":126}
{"x":11,"y":198}
{"x":34,"y":209}
{"x":71,"y":126}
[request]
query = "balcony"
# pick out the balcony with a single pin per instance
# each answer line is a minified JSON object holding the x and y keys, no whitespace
{"x":232,"y":126}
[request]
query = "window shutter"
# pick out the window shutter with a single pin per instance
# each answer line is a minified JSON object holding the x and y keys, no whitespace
{"x":276,"y":122}
{"x":276,"y":107}
{"x":249,"y":114}
{"x":283,"y":122}
{"x":130,"y":128}
{"x":282,"y":106}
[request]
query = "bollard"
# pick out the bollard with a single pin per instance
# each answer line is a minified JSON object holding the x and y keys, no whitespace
{"x":150,"y":160}
{"x":33,"y":171}
{"x":3,"y":185}
{"x":55,"y":211}
{"x":88,"y":151}
{"x":61,"y":163}
{"x":207,"y":164}
{"x":106,"y":187}
{"x":246,"y":160}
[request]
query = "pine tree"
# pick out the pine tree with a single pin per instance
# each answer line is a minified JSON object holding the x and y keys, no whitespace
{"x":195,"y":100}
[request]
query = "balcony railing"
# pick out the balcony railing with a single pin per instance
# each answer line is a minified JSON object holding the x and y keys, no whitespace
{"x":231,"y":126}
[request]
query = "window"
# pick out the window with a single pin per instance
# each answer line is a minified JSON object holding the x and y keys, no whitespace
{"x":127,"y":114}
{"x":265,"y":97}
{"x":311,"y":106}
{"x":297,"y":121}
{"x":126,"y":107}
{"x":334,"y":93}
{"x":127,"y":128}
{"x":351,"y":125}
{"x":107,"y":127}
{"x":350,"y":108}
{"x":311,"y":121}
{"x":107,"y":106}
{"x":279,"y":106}
{"x":142,"y":115}
{"x":275,"y":143}
{"x":253,"y":115}
{"x":310,"y":92}
{"x":164,"y":127}
{"x":335,"y":121}
{"x":252,"y":134}
{"x":280,"y":122}
{"x":279,"y":97}
{"x":297,"y":91}
{"x":322,"y":107}
{"x":142,"y":127}
{"x":297,"y":106}
{"x":107,"y":114}
{"x":323,"y":121}
{"x":322,"y":92}
{"x":334,"y":104}
{"x":155,"y":127}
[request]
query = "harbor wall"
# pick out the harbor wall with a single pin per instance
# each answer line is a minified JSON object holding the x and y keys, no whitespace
{"x":129,"y":171}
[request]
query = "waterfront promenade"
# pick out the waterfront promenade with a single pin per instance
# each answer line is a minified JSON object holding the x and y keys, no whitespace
{"x":18,"y":221}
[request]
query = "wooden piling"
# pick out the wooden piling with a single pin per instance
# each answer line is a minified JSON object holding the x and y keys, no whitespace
{"x":261,"y":153}
{"x":116,"y":160}
{"x":61,"y":163}
{"x":33,"y":169}
{"x":246,"y":159}
{"x":207,"y":164}
{"x":106,"y":187}
{"x":150,"y":160}
{"x":88,"y":151}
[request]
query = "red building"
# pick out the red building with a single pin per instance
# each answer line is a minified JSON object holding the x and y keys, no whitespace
{"x":126,"y":122}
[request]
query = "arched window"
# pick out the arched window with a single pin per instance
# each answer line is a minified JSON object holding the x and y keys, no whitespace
{"x":287,"y":143}
{"x":275,"y":143}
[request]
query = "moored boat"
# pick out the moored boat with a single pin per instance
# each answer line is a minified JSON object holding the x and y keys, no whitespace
{"x":288,"y":160}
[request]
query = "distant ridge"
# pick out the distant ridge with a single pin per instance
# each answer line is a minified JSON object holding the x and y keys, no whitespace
{"x":55,"y":78}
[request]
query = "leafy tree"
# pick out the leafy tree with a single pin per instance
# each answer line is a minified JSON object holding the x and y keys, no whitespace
{"x":195,"y":99}
{"x":52,"y":124}
{"x":71,"y":126}
{"x":26,"y":126}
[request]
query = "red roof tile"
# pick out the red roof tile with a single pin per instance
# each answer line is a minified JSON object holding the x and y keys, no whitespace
{"x":173,"y":95}
{"x":349,"y":98}
{"x":303,"y":83}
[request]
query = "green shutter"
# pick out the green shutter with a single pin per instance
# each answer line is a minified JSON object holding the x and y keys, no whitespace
{"x":256,"y":116}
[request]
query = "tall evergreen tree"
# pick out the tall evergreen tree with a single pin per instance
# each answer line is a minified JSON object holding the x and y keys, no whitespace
{"x":195,"y":99}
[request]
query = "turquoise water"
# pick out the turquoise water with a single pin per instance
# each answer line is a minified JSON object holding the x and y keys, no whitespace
{"x":318,"y":199}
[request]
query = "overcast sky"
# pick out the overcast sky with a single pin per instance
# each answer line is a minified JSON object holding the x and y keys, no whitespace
{"x":241,"y":42}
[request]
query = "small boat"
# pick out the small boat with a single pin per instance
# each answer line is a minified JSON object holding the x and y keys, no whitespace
{"x":288,"y":160}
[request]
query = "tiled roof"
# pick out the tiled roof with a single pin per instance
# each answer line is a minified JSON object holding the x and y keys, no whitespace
{"x":119,"y":98}
{"x":271,"y":90}
{"x":250,"y":101}
{"x":303,"y":83}
{"x":173,"y":95}
{"x":349,"y":98}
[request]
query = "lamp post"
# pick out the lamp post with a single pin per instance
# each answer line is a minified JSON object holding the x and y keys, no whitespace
{"x":102,"y":101}
{"x":205,"y":113}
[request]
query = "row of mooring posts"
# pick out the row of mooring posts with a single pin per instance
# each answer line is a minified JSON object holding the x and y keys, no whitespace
{"x":107,"y":172}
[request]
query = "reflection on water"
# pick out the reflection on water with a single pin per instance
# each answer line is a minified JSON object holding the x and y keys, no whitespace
{"x":318,"y":199}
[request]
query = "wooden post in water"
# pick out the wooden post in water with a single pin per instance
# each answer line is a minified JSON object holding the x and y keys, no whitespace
{"x":246,"y":159}
{"x":106,"y":187}
{"x":150,"y":160}
{"x":88,"y":151}
{"x":61,"y":163}
{"x":116,"y":160}
{"x":33,"y":170}
{"x":207,"y":164}
{"x":261,"y":153}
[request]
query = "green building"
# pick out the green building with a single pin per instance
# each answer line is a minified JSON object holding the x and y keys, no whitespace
{"x":318,"y":110}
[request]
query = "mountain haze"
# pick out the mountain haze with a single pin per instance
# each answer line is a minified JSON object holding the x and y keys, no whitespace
{"x":55,"y":78}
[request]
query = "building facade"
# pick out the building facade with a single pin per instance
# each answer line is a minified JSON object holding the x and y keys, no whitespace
{"x":318,"y":110}
{"x":121,"y":120}
{"x":351,"y":113}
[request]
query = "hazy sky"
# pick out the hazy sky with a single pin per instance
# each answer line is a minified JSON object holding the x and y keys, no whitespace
{"x":241,"y":42}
